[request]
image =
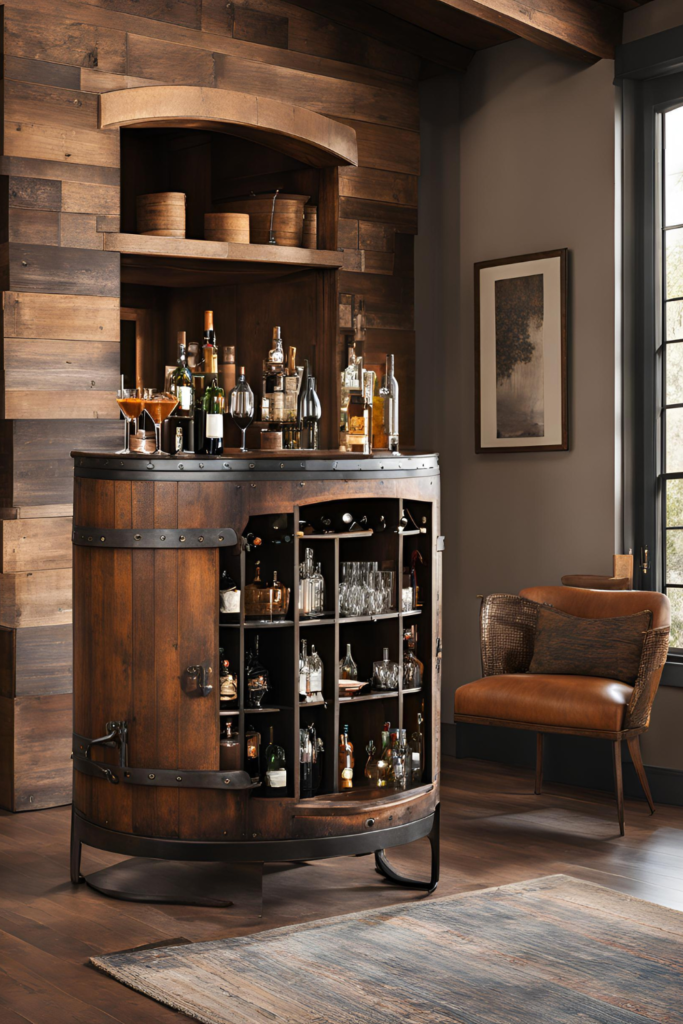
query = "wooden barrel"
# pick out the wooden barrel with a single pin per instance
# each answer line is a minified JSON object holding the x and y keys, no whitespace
{"x":288,"y":219}
{"x":310,"y":237}
{"x":226,"y":227}
{"x":162,"y":213}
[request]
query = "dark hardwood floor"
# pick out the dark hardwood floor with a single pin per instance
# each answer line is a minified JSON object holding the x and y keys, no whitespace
{"x":494,"y":831}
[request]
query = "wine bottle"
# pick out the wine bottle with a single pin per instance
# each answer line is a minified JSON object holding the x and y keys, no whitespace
{"x":311,"y":414}
{"x":347,"y":666}
{"x":181,"y":381}
{"x":346,"y":760}
{"x":390,"y":388}
{"x":209,"y":350}
{"x":213,"y":405}
{"x":275,"y":775}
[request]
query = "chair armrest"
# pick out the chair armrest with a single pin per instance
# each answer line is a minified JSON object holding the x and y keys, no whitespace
{"x":652,"y":661}
{"x":508,"y":626}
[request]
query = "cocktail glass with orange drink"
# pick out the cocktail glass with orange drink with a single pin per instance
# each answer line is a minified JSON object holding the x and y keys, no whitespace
{"x":130,"y":405}
{"x":159,"y":405}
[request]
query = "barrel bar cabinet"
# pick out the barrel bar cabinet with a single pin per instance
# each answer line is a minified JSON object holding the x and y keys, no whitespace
{"x":151,"y":537}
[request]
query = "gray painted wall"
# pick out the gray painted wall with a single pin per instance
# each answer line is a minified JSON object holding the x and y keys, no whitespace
{"x":519,"y":157}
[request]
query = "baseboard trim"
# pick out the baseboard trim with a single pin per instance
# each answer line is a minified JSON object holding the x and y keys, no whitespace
{"x":569,"y":760}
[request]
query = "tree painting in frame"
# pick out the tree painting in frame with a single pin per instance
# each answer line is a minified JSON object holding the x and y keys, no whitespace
{"x":521,"y":353}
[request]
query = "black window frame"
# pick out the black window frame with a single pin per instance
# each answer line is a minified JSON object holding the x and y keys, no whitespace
{"x":650,"y":74}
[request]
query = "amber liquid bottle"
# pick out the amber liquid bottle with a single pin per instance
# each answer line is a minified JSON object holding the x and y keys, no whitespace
{"x":346,"y":760}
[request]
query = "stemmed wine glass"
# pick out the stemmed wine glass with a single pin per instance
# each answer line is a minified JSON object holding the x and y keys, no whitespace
{"x":242,"y":406}
{"x":159,"y":405}
{"x":130,"y":404}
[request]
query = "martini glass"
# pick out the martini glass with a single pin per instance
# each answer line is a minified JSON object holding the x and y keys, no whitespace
{"x":130,"y":405}
{"x":159,"y":406}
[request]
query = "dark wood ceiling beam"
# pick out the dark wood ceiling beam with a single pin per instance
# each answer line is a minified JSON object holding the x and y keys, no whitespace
{"x":584,"y":29}
{"x":370,"y":21}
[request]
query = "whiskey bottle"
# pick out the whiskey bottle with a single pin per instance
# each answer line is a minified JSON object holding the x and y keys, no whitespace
{"x":228,"y":686}
{"x":310,"y":414}
{"x":277,"y":353}
{"x":275,"y":775}
{"x":413,"y":668}
{"x":346,"y":760}
{"x":229,"y":749}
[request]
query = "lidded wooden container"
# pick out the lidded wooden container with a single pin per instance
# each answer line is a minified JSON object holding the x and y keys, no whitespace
{"x":162,"y":213}
{"x":226,"y":227}
{"x":288,"y":216}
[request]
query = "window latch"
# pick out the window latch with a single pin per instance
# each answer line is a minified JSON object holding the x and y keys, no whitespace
{"x":644,"y":560}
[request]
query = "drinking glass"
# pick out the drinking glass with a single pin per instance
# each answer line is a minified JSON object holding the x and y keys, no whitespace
{"x":242,"y":407}
{"x":130,"y":405}
{"x":158,"y":406}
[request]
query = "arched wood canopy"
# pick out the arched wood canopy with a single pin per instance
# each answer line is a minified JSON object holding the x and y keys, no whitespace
{"x":301,"y":133}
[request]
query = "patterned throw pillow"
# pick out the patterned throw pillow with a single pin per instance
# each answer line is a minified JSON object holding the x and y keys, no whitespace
{"x":570,"y":645}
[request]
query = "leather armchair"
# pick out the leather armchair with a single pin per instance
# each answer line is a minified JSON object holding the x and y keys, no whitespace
{"x":508,"y":695}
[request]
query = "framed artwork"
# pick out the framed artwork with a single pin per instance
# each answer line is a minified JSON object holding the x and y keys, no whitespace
{"x":521,"y":353}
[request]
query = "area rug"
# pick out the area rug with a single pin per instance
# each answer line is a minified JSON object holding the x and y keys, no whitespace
{"x":548,"y":951}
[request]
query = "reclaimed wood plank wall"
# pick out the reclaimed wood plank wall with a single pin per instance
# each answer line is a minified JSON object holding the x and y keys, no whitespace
{"x":59,"y":194}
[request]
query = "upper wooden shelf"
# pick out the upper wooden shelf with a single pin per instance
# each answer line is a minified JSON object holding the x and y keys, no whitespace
{"x":301,"y":133}
{"x":222,"y":252}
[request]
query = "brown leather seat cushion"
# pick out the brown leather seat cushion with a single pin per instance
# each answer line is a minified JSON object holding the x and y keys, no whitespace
{"x":574,"y":702}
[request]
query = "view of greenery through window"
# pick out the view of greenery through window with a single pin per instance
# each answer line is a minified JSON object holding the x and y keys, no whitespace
{"x":672,"y":457}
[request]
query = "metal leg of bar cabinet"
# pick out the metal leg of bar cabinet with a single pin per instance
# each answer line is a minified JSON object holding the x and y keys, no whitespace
{"x":181,"y":882}
{"x":383,"y":866}
{"x":75,"y":853}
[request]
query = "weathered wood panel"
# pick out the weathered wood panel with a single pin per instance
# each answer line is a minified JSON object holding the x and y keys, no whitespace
{"x":37,"y":731}
{"x":67,"y":317}
{"x":45,"y":142}
{"x":28,"y":544}
{"x":51,"y":269}
{"x":388,"y":149}
{"x":35,"y":598}
{"x":37,"y":660}
{"x":53,"y":405}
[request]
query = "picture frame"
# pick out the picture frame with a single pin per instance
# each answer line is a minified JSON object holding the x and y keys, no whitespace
{"x":520,"y":309}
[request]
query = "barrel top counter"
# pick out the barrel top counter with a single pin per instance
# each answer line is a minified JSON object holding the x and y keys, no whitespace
{"x":317,"y":465}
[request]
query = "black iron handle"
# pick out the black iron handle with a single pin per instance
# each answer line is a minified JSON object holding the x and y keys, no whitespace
{"x":117,"y":736}
{"x":200,"y":674}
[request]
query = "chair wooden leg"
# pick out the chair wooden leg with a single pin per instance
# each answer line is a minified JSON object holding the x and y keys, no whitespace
{"x":619,"y":785}
{"x":539,"y":762}
{"x":636,"y":757}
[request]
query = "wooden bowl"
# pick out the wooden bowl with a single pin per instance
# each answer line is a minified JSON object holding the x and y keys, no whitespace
{"x":226,"y":227}
{"x":162,"y":213}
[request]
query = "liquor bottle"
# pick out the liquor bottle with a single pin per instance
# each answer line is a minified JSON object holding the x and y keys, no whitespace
{"x":213,"y":405}
{"x":181,"y":382}
{"x":305,"y":576}
{"x":347,"y":666}
{"x":417,"y":748}
{"x":228,"y":685}
{"x":209,"y":350}
{"x":318,"y":762}
{"x":317,"y":584}
{"x":277,"y":353}
{"x":253,"y":755}
{"x":306,"y":758}
{"x":229,"y":750}
{"x":227,"y":375}
{"x":304,"y":689}
{"x":346,"y":760}
{"x":310,"y":413}
{"x":379,"y":434}
{"x":257,"y":597}
{"x":385,"y":757}
{"x":279,"y":598}
{"x":291,"y":382}
{"x":199,"y":382}
{"x":258,"y":680}
{"x":275,"y":775}
{"x":315,"y":674}
{"x":413,"y":668}
{"x":390,"y":387}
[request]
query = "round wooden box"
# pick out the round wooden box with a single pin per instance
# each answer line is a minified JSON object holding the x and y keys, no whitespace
{"x":288,"y":218}
{"x":310,"y":235}
{"x":162,"y":213}
{"x":226,"y":227}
